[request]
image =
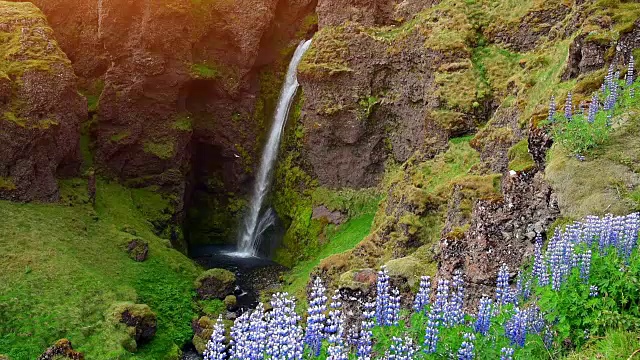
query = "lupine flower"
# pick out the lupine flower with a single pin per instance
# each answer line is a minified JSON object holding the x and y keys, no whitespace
{"x":568,"y":107}
{"x":335,"y":315}
{"x":240,"y":332}
{"x":552,"y":109}
{"x":422,"y":297}
{"x":466,"y":351}
{"x":216,"y":349}
{"x":382,"y":296}
{"x":539,"y":266}
{"x":257,"y":334}
{"x":431,"y":334}
{"x":442,"y":299}
{"x":523,"y":286}
{"x":593,"y":291}
{"x":516,"y":328}
{"x":593,"y":109}
{"x":284,"y":334}
{"x":585,"y":265}
{"x":483,"y":320}
{"x":608,"y":79}
{"x":630,"y":69}
{"x":534,"y":320}
{"x":454,"y":313}
{"x":401,"y":349}
{"x":316,"y":316}
{"x":364,"y":345}
{"x":503,"y":291}
{"x":548,"y":337}
{"x":506,"y":354}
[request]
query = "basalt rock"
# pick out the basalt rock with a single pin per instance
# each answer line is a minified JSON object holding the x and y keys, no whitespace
{"x":502,"y":231}
{"x":61,"y":350}
{"x":40,"y":108}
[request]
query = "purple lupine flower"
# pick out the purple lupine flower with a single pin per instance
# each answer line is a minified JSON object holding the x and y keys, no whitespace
{"x":593,"y":291}
{"x":240,"y":331}
{"x":393,"y":310}
{"x":552,"y":108}
{"x":422,"y":297}
{"x":454,"y":313}
{"x":466,"y":351}
{"x":630,"y":69}
{"x":483,"y":320}
{"x":316,"y":316}
{"x":216,"y":349}
{"x":539,"y":266}
{"x":534,"y":319}
{"x":284,"y":334}
{"x":516,"y":328}
{"x":337,"y":349}
{"x":503,"y":291}
{"x":257,"y":333}
{"x":364,"y":345}
{"x":593,"y":109}
{"x":382,"y":296}
{"x":547,"y":338}
{"x":335,"y":315}
{"x":431,"y":334}
{"x":585,"y":265}
{"x":401,"y":349}
{"x":608,"y":79}
{"x":568,"y":107}
{"x":506,"y":353}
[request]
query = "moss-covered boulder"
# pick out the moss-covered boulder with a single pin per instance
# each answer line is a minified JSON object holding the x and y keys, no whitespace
{"x":202,"y":330}
{"x":139,"y":321}
{"x":409,"y":269}
{"x":215,"y":284}
{"x":138,"y":249}
{"x":40,"y":108}
{"x":231,"y":302}
{"x":61,"y":350}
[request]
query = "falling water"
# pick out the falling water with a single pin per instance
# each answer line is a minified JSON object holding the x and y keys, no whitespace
{"x":255,"y":223}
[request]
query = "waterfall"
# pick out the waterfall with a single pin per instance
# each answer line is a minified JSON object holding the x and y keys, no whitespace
{"x":255,"y":223}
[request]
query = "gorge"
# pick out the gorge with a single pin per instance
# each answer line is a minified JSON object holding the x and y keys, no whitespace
{"x":168,"y":163}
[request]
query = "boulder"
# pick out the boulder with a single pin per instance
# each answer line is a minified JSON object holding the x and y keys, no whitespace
{"x":138,"y":249}
{"x":141,"y":323}
{"x":40,"y":108}
{"x":323,"y":213}
{"x":61,"y":350}
{"x":215,"y":284}
{"x":231,"y":302}
{"x":202,"y":330}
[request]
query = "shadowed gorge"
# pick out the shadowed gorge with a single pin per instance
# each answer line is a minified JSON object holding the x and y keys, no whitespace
{"x":319,"y":179}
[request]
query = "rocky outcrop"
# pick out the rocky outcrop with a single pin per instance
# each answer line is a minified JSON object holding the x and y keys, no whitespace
{"x":215,"y":284}
{"x":40,"y":108}
{"x":502,"y":231}
{"x":138,"y":249}
{"x":61,"y":350}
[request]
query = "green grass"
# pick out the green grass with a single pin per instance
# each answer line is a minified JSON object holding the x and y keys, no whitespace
{"x":64,"y":265}
{"x":347,"y":236}
{"x":204,"y":71}
{"x":163,"y":150}
{"x":519,"y":157}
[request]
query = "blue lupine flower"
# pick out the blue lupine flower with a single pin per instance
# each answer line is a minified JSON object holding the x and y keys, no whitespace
{"x":483,"y":320}
{"x":240,"y":331}
{"x":466,"y":351}
{"x":442,"y":299}
{"x":585,"y":265}
{"x":422,"y":297}
{"x":284,"y":334}
{"x":316,"y":316}
{"x":401,"y":349}
{"x":431,"y":334}
{"x":382,"y":296}
{"x":257,"y":334}
{"x":539,"y":266}
{"x":335,"y":315}
{"x":593,"y":291}
{"x":454,"y":313}
{"x":516,"y":328}
{"x":534,"y":319}
{"x":506,"y":353}
{"x":568,"y":107}
{"x":630,"y":69}
{"x":364,"y":345}
{"x":608,"y":79}
{"x":216,"y":349}
{"x":393,"y":309}
{"x":552,"y":109}
{"x":503,"y":291}
{"x":593,"y":109}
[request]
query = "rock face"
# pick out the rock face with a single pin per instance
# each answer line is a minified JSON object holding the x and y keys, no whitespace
{"x":502,"y":231}
{"x":40,"y":108}
{"x":61,"y":350}
{"x":215,"y":284}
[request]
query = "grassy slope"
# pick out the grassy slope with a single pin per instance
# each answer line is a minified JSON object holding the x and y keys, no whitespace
{"x":64,"y":266}
{"x":346,"y":237}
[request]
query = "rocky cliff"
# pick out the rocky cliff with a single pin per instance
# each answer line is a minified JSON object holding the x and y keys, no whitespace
{"x":40,"y":108}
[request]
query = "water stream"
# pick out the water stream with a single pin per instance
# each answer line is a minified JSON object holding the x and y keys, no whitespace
{"x":257,"y":219}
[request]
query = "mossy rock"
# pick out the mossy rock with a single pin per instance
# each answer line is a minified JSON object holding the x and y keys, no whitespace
{"x":202,"y":330}
{"x":62,"y":349}
{"x":363,"y":279}
{"x":231,"y":302}
{"x":174,"y":354}
{"x":410,"y":269}
{"x":138,"y":249}
{"x":141,"y":323}
{"x":215,"y":284}
{"x":519,"y":157}
{"x":4,"y":357}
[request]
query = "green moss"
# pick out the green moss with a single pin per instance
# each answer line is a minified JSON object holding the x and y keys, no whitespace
{"x":519,"y":157}
{"x":411,"y":269}
{"x":222,"y":275}
{"x":79,"y":271}
{"x":183,"y":122}
{"x":328,"y":54}
{"x":163,"y":150}
{"x":204,"y":71}
{"x":116,"y":138}
{"x":7,"y":184}
{"x":10,"y":116}
{"x":92,"y":94}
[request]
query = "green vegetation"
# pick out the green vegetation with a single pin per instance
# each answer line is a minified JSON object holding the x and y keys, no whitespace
{"x":328,"y":54}
{"x":204,"y":71}
{"x":519,"y":157}
{"x":163,"y":150}
{"x":6,"y":183}
{"x":116,"y":138}
{"x":183,"y":122}
{"x":64,"y":267}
